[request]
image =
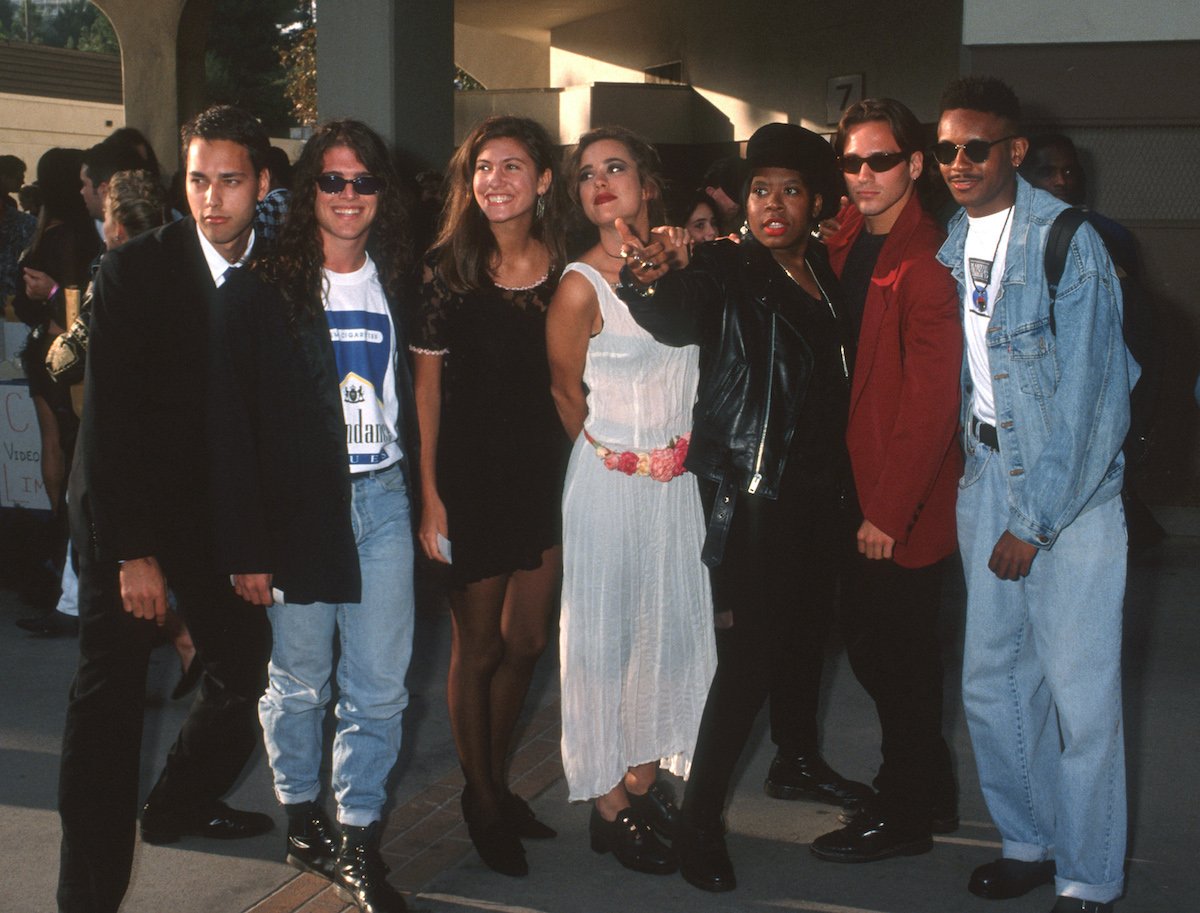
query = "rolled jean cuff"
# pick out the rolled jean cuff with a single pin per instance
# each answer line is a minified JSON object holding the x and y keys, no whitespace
{"x":359,"y":817}
{"x":1024,"y":852}
{"x":1100,"y":893}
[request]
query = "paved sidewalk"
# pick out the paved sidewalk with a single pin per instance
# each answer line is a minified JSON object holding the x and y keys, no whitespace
{"x":432,"y":860}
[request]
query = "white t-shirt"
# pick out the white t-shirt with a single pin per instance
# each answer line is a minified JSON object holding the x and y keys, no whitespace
{"x":364,"y":346}
{"x":987,"y":237}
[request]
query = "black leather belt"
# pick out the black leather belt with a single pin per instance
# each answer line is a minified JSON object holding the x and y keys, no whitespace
{"x":372,"y":473}
{"x":985,"y":434}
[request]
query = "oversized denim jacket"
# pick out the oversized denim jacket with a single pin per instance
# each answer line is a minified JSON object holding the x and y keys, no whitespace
{"x":1062,"y":398}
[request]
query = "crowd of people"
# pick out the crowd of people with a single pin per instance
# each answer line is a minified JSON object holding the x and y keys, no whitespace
{"x":702,"y":438}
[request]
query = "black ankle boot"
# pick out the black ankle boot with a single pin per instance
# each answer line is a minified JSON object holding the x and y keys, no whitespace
{"x":703,"y":858}
{"x":494,"y":841}
{"x":657,"y":808}
{"x":632,"y":842}
{"x":312,"y":840}
{"x":361,"y":876}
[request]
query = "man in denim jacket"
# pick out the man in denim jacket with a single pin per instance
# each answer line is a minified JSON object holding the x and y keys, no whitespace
{"x":1040,"y":525}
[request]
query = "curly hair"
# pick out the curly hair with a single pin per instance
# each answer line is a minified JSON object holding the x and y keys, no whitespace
{"x":983,"y":93}
{"x":465,"y":247}
{"x":295,"y":264}
{"x":136,"y":200}
{"x":645,"y":159}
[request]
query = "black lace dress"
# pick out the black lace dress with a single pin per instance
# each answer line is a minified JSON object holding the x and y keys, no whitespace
{"x":502,"y":451}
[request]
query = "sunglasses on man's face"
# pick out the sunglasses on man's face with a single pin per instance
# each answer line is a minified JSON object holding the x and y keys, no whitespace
{"x":879,"y":162}
{"x":977,"y":150}
{"x":366,"y":185}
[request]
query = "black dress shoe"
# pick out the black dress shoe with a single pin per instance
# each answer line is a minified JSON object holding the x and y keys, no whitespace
{"x":873,"y":835}
{"x":1004,"y":879}
{"x":632,"y":841}
{"x":809,"y":777}
{"x":657,"y":808}
{"x":496,"y":844}
{"x":704,"y":860}
{"x":312,"y":840}
{"x":943,"y":817}
{"x":1066,"y":904}
{"x":361,"y":877}
{"x":521,"y":820}
{"x":217,"y":821}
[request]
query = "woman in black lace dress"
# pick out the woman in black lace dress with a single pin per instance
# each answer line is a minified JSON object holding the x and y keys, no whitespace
{"x":493,"y":452}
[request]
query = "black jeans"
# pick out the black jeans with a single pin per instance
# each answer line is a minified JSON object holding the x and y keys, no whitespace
{"x":888,"y":621}
{"x":778,"y":579}
{"x":98,"y":780}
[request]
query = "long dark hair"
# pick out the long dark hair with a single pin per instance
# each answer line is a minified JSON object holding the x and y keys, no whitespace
{"x":295,"y":264}
{"x":465,"y":246}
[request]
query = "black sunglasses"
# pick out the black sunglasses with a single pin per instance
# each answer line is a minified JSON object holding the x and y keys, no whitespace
{"x":879,"y":162}
{"x":977,"y":150}
{"x":365,"y":184}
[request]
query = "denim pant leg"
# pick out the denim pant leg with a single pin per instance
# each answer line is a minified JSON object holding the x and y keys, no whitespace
{"x":1076,"y":599}
{"x":1005,"y":695}
{"x":292,"y":710}
{"x":376,"y":640}
{"x":1043,"y":656}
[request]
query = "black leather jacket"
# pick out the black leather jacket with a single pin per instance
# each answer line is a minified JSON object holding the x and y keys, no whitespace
{"x":756,"y":366}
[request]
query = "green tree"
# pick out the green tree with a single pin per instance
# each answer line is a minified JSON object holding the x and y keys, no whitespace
{"x":243,"y":63}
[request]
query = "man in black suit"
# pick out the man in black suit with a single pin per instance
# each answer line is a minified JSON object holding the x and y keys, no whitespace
{"x":140,"y":515}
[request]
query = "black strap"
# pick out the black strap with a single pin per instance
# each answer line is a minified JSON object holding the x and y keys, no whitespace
{"x":1058,"y":242}
{"x":720,"y":520}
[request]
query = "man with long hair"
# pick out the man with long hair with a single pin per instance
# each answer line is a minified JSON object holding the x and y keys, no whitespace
{"x":141,"y":517}
{"x":316,"y":438}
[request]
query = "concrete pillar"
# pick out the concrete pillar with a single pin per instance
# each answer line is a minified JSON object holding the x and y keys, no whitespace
{"x":390,"y":63}
{"x":150,"y":70}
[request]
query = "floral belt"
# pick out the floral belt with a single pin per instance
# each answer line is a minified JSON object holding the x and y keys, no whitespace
{"x":662,"y":464}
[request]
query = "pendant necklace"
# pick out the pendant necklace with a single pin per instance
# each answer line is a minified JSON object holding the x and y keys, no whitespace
{"x":981,"y":272}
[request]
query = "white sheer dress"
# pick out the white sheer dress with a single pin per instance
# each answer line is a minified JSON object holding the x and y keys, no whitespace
{"x":637,"y":648}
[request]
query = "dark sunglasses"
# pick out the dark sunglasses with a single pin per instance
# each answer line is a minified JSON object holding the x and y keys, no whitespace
{"x":365,"y":184}
{"x":879,"y":162}
{"x":977,"y":150}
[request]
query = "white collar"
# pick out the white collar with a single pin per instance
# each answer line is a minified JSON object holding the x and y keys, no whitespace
{"x":217,"y":264}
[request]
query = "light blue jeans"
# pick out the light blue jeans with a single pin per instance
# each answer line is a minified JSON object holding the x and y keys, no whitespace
{"x":1042,"y":686}
{"x":375,"y":636}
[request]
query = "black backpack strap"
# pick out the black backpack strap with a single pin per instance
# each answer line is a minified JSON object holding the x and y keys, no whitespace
{"x":1058,"y":242}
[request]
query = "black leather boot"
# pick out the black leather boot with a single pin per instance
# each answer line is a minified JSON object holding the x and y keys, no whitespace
{"x":632,"y":842}
{"x":809,"y":777}
{"x":312,"y":840}
{"x":361,"y":876}
{"x":657,"y":808}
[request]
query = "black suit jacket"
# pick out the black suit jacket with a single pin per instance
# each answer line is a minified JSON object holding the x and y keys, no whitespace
{"x":278,"y":433}
{"x":139,"y":486}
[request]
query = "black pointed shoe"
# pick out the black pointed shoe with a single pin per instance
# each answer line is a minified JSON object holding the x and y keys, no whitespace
{"x":522,"y":821}
{"x":657,"y":808}
{"x":632,"y":841}
{"x":1004,"y":879}
{"x":494,"y":841}
{"x":704,"y":859}
{"x":216,"y":821}
{"x":1066,"y":904}
{"x":873,"y":835}
{"x":809,"y":777}
{"x":361,"y":877}
{"x":312,"y":840}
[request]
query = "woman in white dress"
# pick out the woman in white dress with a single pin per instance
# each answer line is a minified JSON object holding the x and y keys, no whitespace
{"x":637,"y":645}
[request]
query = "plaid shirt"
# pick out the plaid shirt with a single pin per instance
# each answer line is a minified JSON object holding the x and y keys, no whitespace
{"x":270,"y":214}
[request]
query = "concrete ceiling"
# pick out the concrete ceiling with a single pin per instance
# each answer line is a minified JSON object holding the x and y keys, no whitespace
{"x":529,"y":19}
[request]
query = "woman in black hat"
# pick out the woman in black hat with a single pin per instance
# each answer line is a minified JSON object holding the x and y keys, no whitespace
{"x":768,"y":445}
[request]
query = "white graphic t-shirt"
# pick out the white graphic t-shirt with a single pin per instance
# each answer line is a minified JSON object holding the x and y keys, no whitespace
{"x":364,"y":345}
{"x":984,"y":256}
